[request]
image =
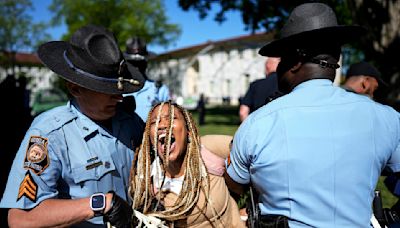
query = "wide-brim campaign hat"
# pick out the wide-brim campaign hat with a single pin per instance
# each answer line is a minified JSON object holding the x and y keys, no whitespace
{"x":136,"y":49}
{"x":311,"y":24}
{"x":93,"y":60}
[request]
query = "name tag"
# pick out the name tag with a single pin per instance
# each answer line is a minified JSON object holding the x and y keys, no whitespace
{"x":94,"y":165}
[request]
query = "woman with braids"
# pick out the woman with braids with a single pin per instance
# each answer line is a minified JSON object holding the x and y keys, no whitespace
{"x":176,"y":181}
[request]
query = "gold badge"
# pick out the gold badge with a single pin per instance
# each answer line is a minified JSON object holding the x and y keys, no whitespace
{"x":28,"y":188}
{"x":36,"y":158}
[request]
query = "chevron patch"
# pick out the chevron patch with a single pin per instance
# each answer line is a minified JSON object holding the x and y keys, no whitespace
{"x":28,"y":188}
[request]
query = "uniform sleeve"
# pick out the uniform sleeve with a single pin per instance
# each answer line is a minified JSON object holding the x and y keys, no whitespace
{"x":239,"y":159}
{"x":163,"y":93}
{"x":392,"y":123}
{"x":394,"y":161}
{"x":248,"y":97}
{"x":34,"y":173}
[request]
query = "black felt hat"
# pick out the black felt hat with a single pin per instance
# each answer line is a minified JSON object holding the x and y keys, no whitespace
{"x":136,"y":49}
{"x":365,"y":69}
{"x":92,"y":59}
{"x":312,"y":24}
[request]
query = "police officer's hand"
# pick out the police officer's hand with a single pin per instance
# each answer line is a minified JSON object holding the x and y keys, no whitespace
{"x":120,"y":213}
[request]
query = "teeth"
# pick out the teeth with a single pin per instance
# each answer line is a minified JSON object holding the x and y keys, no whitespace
{"x":162,"y":135}
{"x":162,"y":138}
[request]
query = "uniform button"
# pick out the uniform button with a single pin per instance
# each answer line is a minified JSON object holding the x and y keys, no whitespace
{"x":85,"y":128}
{"x":107,"y":164}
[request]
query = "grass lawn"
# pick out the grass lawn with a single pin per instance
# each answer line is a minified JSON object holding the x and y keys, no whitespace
{"x":219,"y":120}
{"x":225,"y":120}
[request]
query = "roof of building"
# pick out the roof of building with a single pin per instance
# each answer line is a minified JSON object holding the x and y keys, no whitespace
{"x":241,"y":42}
{"x":28,"y":58}
{"x":247,"y":41}
{"x":25,"y":59}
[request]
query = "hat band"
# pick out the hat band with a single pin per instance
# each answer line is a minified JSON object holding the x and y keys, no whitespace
{"x":119,"y":81}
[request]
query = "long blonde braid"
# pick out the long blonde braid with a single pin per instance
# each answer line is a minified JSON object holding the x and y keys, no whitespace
{"x":195,"y":181}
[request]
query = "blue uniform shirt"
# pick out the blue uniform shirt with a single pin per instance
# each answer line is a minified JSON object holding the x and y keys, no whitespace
{"x":66,"y":155}
{"x":315,"y":155}
{"x":148,"y":96}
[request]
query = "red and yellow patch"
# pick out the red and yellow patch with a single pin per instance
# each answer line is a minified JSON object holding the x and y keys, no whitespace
{"x":28,"y":188}
{"x":36,"y":158}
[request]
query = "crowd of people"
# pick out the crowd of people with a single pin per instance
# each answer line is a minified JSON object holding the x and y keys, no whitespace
{"x":120,"y":153}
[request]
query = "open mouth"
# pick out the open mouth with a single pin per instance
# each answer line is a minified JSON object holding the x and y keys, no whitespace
{"x":162,"y":140}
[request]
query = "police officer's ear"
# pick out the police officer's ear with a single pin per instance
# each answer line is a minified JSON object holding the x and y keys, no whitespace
{"x":74,"y":89}
{"x":364,"y":83}
{"x":296,"y":67}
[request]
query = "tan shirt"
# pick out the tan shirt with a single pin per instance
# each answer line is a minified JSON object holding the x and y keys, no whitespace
{"x":221,"y":211}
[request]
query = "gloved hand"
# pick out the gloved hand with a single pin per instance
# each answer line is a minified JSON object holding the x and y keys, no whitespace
{"x":120,"y":214}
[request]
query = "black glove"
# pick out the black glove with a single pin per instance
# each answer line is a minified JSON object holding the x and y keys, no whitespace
{"x":120,"y":214}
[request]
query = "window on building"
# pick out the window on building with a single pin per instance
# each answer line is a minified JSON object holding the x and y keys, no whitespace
{"x":196,"y":66}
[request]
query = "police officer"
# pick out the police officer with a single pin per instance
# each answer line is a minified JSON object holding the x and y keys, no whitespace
{"x":315,"y":154}
{"x":72,"y":167}
{"x":153,"y":92}
{"x":261,"y":91}
{"x":363,"y":78}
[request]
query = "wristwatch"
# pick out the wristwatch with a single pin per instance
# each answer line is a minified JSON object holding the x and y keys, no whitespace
{"x":98,"y":203}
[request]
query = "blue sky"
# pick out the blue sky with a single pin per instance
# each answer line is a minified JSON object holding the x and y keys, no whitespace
{"x":194,"y":30}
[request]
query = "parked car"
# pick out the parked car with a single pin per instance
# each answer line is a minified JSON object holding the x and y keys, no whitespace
{"x":46,"y":99}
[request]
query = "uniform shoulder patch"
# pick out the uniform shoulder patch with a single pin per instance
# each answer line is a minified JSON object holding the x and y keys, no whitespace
{"x":36,"y":158}
{"x":28,"y":188}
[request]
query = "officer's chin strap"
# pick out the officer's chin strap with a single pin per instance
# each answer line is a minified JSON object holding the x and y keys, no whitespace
{"x":121,"y":80}
{"x":322,"y":63}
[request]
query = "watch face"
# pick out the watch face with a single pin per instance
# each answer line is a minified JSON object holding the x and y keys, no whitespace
{"x":97,"y":202}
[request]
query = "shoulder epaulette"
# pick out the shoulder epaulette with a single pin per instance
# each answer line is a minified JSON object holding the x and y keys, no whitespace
{"x":54,"y":119}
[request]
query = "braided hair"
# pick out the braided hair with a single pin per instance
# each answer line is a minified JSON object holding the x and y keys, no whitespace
{"x":196,"y":179}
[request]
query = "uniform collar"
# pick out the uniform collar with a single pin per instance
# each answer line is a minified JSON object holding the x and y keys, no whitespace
{"x":147,"y":85}
{"x":88,"y":126}
{"x":85,"y":124}
{"x":313,"y":83}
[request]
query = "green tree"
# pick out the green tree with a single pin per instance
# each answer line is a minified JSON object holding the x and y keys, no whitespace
{"x":124,"y":17}
{"x":258,"y":15}
{"x":18,"y":32}
{"x":380,"y":45}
